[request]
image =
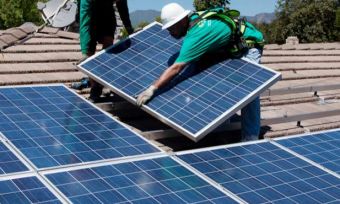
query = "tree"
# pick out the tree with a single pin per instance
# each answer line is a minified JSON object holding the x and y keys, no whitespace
{"x":16,"y":12}
{"x":158,"y":19}
{"x":142,"y":24}
{"x":201,"y":5}
{"x":309,"y":20}
{"x":337,"y":22}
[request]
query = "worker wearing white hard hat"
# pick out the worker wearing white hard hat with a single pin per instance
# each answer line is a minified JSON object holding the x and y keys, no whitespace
{"x":172,"y":14}
{"x":205,"y":37}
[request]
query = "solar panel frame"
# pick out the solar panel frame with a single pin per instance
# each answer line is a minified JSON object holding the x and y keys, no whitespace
{"x":136,"y":179}
{"x":25,"y":167}
{"x":254,"y":195}
{"x":203,"y":131}
{"x":28,"y":160}
{"x":313,"y":157}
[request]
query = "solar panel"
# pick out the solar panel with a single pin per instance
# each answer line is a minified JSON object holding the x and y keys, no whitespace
{"x":265,"y":173}
{"x":26,"y":190}
{"x":194,"y":106}
{"x":9,"y":163}
{"x":160,"y":180}
{"x":52,"y":126}
{"x":322,"y":148}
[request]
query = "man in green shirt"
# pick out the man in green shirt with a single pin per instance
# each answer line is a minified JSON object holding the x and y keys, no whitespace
{"x":98,"y":25}
{"x":207,"y":36}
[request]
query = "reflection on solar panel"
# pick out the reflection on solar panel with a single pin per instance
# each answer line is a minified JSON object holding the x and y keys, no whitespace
{"x":160,"y":180}
{"x":52,"y":126}
{"x":264,"y":173}
{"x":9,"y":163}
{"x":25,"y":190}
{"x":322,"y":148}
{"x":194,"y":106}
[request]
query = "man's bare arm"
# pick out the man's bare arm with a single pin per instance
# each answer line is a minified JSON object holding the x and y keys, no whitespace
{"x":168,"y":74}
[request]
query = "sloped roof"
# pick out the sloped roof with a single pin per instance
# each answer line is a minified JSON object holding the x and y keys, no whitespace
{"x":48,"y":55}
{"x":31,"y":56}
{"x":309,"y":89}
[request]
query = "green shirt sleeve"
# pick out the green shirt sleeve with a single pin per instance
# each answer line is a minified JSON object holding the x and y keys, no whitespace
{"x":85,"y":23}
{"x":206,"y":36}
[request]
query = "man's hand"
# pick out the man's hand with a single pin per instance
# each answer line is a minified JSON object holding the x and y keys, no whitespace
{"x":146,"y":95}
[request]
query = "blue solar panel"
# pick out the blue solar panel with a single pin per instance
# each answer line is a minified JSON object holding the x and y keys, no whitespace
{"x":160,"y":180}
{"x":264,"y":173}
{"x":194,"y":106}
{"x":322,"y":148}
{"x":9,"y":163}
{"x":26,"y":190}
{"x":52,"y":126}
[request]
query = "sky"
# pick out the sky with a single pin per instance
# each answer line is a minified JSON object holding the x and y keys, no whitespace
{"x":246,"y":7}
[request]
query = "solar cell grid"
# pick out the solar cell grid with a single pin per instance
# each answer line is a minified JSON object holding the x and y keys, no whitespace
{"x":322,"y":148}
{"x":264,"y":173}
{"x":9,"y":163}
{"x":160,"y":180}
{"x":52,"y":126}
{"x":194,"y":106}
{"x":26,"y":190}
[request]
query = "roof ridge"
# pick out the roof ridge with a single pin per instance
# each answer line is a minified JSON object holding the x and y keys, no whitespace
{"x":12,"y":35}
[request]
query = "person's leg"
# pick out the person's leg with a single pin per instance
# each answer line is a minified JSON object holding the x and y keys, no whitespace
{"x":251,"y":113}
{"x":105,"y":35}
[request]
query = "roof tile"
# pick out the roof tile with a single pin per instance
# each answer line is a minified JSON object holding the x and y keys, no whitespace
{"x":28,"y":28}
{"x":302,"y":47}
{"x":2,"y":44}
{"x":288,"y":47}
{"x":49,"y":30}
{"x":8,"y":39}
{"x":19,"y":34}
{"x":273,"y":47}
{"x":70,"y":35}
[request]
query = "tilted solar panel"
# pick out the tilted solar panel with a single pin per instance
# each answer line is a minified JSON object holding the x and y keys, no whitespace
{"x":158,"y":180}
{"x":194,"y":106}
{"x":265,"y":173}
{"x":9,"y":162}
{"x":52,"y":126}
{"x":323,"y":148}
{"x":26,"y":190}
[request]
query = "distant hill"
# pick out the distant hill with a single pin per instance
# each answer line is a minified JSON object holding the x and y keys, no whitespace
{"x":143,"y":15}
{"x":150,"y":15}
{"x":261,"y":18}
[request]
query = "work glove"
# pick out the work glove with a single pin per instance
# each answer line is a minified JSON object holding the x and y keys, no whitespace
{"x":146,"y":95}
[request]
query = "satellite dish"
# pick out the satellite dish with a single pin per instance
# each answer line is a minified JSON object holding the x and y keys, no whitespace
{"x":58,"y":13}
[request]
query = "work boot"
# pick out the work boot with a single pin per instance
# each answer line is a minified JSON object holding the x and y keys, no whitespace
{"x":96,"y":92}
{"x":84,"y":83}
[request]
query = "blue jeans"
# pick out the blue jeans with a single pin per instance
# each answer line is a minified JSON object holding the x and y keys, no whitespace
{"x":251,"y":114}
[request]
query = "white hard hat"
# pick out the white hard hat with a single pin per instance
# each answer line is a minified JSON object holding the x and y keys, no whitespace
{"x":172,"y":13}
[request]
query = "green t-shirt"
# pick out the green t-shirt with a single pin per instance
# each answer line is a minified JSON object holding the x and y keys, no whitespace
{"x":210,"y":35}
{"x":206,"y":36}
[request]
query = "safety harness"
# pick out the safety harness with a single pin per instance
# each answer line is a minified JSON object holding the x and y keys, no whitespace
{"x":238,"y":26}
